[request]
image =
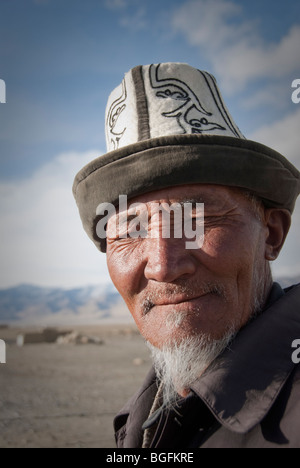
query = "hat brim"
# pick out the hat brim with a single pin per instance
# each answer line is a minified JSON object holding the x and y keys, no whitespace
{"x":176,"y":160}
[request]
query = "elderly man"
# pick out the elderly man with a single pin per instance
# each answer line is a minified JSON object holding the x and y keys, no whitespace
{"x":219,"y":330}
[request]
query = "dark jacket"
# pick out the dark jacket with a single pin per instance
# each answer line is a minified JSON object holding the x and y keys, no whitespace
{"x":249,"y":398}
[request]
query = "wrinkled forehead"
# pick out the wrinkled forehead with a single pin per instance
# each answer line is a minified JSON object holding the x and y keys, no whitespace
{"x":214,"y":197}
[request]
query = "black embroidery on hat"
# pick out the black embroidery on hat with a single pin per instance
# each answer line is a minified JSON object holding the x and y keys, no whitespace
{"x":219,"y":103}
{"x":187,"y":112}
{"x":115,"y":110}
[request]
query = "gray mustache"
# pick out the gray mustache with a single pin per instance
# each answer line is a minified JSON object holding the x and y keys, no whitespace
{"x":188,"y":290}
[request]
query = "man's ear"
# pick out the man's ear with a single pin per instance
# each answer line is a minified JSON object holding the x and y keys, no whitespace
{"x":278,"y":223}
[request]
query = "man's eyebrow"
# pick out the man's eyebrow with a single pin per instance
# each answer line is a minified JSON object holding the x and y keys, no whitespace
{"x":206,"y":200}
{"x":192,"y":200}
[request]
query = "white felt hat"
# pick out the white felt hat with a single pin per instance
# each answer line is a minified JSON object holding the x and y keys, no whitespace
{"x":166,"y":99}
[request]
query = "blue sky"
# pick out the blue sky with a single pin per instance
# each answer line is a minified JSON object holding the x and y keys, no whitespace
{"x":60,"y":59}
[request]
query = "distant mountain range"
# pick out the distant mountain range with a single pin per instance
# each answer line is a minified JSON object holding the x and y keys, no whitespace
{"x":34,"y":305}
{"x":40,"y":306}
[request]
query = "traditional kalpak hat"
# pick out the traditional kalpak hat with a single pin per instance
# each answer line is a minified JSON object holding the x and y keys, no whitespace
{"x":167,"y":125}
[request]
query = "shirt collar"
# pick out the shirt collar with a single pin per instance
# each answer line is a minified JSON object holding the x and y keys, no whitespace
{"x":243,"y":383}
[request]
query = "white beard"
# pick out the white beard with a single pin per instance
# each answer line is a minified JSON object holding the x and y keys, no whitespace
{"x":178,"y":365}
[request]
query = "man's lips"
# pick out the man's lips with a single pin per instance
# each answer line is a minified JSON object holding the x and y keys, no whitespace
{"x":148,"y":305}
{"x":183,"y":294}
{"x":178,"y":300}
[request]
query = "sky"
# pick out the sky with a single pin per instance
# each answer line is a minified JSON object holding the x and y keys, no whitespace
{"x":60,"y":59}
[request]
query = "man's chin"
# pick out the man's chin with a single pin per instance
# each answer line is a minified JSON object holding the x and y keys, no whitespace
{"x":180,"y":326}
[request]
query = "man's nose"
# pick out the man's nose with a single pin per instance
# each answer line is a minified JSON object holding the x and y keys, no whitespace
{"x":168,"y":260}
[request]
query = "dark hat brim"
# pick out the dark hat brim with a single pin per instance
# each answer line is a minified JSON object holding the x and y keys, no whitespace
{"x":176,"y":160}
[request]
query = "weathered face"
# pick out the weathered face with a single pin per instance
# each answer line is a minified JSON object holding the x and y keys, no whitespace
{"x":173,"y":292}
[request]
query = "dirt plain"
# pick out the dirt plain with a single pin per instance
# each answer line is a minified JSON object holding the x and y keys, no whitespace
{"x":66,"y":395}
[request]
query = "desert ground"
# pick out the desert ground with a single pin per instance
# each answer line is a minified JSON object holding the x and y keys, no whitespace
{"x":66,"y":395}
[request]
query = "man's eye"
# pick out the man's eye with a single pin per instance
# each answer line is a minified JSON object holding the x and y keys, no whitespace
{"x":195,"y":218}
{"x":130,"y":227}
{"x":138,"y":234}
{"x":137,"y":230}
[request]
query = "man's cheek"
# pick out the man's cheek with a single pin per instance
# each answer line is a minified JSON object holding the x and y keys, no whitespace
{"x":218,"y":251}
{"x":125,"y":273}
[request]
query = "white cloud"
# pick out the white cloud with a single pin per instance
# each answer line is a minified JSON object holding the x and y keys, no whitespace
{"x":208,"y":22}
{"x":234,"y":45}
{"x":275,"y":95}
{"x":244,"y":62}
{"x":136,"y":21}
{"x":283,"y":135}
{"x":132,"y":15}
{"x":42,"y":239}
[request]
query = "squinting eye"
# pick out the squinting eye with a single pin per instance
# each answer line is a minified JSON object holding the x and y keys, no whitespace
{"x":138,"y":234}
{"x":129,"y":228}
{"x":138,"y":230}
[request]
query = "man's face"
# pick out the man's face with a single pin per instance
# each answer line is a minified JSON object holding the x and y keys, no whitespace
{"x":172,"y":292}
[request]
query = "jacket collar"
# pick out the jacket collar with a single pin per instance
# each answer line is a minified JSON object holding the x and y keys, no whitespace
{"x":241,"y":386}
